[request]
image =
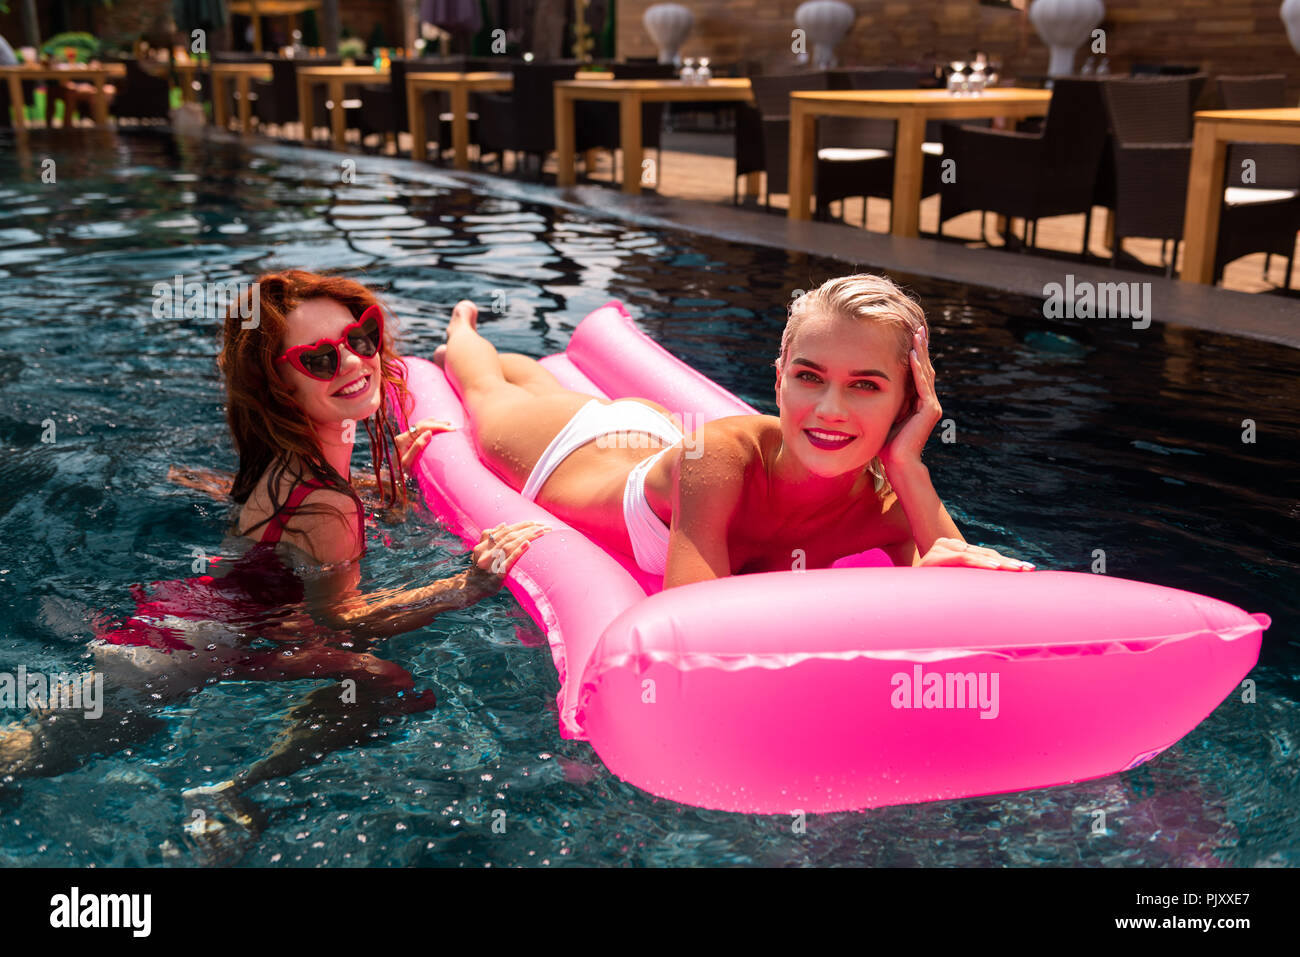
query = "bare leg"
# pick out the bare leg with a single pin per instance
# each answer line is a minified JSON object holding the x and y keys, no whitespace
{"x":221,"y":823}
{"x":516,"y":408}
{"x":511,"y":423}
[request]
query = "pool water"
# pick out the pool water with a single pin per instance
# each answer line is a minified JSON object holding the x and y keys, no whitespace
{"x":1071,"y":436}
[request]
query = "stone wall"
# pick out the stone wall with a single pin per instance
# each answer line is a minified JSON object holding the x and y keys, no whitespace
{"x":128,"y":19}
{"x":1223,"y":36}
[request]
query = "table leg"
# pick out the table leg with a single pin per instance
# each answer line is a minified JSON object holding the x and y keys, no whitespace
{"x":1204,"y":197}
{"x":415,"y":122}
{"x":16,"y":101}
{"x":460,"y":125}
{"x":305,"y":108}
{"x":245,"y":107}
{"x":803,"y":158}
{"x":100,"y":103}
{"x":908,"y":165}
{"x":337,"y":118}
{"x":752,"y":184}
{"x":629,"y":122}
{"x":220,"y":107}
{"x":565,"y":174}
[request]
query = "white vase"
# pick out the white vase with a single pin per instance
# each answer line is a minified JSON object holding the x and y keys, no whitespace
{"x":826,"y":23}
{"x":1291,"y":18}
{"x":668,"y":24}
{"x":1065,"y":25}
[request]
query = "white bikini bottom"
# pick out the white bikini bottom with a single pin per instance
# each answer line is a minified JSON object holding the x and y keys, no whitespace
{"x":647,"y":531}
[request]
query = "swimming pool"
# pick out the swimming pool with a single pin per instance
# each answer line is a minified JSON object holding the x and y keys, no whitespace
{"x":1071,"y":436}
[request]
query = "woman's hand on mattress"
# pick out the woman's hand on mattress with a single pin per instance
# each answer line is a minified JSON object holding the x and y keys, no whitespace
{"x":496,"y":553}
{"x":907,"y":438}
{"x":954,"y":551}
{"x":411,"y":443}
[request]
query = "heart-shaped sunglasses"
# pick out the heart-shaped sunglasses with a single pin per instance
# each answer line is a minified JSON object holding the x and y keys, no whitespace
{"x":323,"y":358}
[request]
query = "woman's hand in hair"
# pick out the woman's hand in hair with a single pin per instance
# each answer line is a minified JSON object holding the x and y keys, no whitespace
{"x":415,"y":439}
{"x":496,"y":553}
{"x":954,"y":551}
{"x":907,"y":438}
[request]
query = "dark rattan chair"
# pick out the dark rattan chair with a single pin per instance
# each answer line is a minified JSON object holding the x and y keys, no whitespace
{"x":1052,"y":173}
{"x":1150,"y":128}
{"x":1151,"y":125}
{"x":141,"y":96}
{"x":850,"y":161}
{"x":1266,"y":202}
{"x":523,"y":120}
{"x":277,"y":100}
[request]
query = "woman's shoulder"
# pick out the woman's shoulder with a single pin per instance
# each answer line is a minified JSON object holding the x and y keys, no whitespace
{"x":727,"y":452}
{"x":323,"y":525}
{"x":326,"y":527}
{"x":748,"y":435}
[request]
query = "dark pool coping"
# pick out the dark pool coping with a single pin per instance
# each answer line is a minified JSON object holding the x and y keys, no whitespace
{"x":1251,"y":315}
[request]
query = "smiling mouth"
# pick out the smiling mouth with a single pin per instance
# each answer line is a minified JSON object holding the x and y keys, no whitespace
{"x":354,"y":388}
{"x":826,"y":440}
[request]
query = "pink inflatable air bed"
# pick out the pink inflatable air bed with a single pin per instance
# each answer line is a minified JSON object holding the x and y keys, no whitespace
{"x":842,"y":688}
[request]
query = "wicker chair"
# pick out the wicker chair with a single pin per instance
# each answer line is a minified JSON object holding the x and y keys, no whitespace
{"x":383,"y":105}
{"x":523,"y":120}
{"x":1266,"y":204}
{"x":141,"y":96}
{"x":1150,"y":126}
{"x":848,"y":164}
{"x":28,"y":88}
{"x":277,"y":101}
{"x":1052,"y":173}
{"x":1150,"y":120}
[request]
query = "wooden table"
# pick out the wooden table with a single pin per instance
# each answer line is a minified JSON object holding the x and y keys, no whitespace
{"x":631,"y":96}
{"x":271,"y":8}
{"x":335,"y":76}
{"x":185,"y":73}
{"x":30,"y":71}
{"x":1215,"y":129}
{"x":910,"y":109}
{"x":242,"y":73}
{"x":460,"y":85}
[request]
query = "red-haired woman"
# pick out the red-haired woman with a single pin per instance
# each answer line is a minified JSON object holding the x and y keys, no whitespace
{"x":318,"y":360}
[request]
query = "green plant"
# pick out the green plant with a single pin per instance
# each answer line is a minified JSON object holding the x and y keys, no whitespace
{"x":85,"y":45}
{"x":352,"y":47}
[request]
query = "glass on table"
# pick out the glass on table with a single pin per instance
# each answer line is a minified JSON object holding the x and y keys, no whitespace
{"x":956,"y":79}
{"x":688,"y":73}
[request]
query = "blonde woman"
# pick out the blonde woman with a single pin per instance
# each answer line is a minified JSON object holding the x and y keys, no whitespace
{"x":839,"y":470}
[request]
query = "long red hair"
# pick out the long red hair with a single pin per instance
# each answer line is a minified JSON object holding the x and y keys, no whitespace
{"x":268,"y":428}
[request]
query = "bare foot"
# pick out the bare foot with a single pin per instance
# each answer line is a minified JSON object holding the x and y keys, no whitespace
{"x":465,"y":313}
{"x":220,"y":824}
{"x":17,"y":749}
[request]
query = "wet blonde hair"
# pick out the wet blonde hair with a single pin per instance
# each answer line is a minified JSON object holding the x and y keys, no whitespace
{"x":864,"y":298}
